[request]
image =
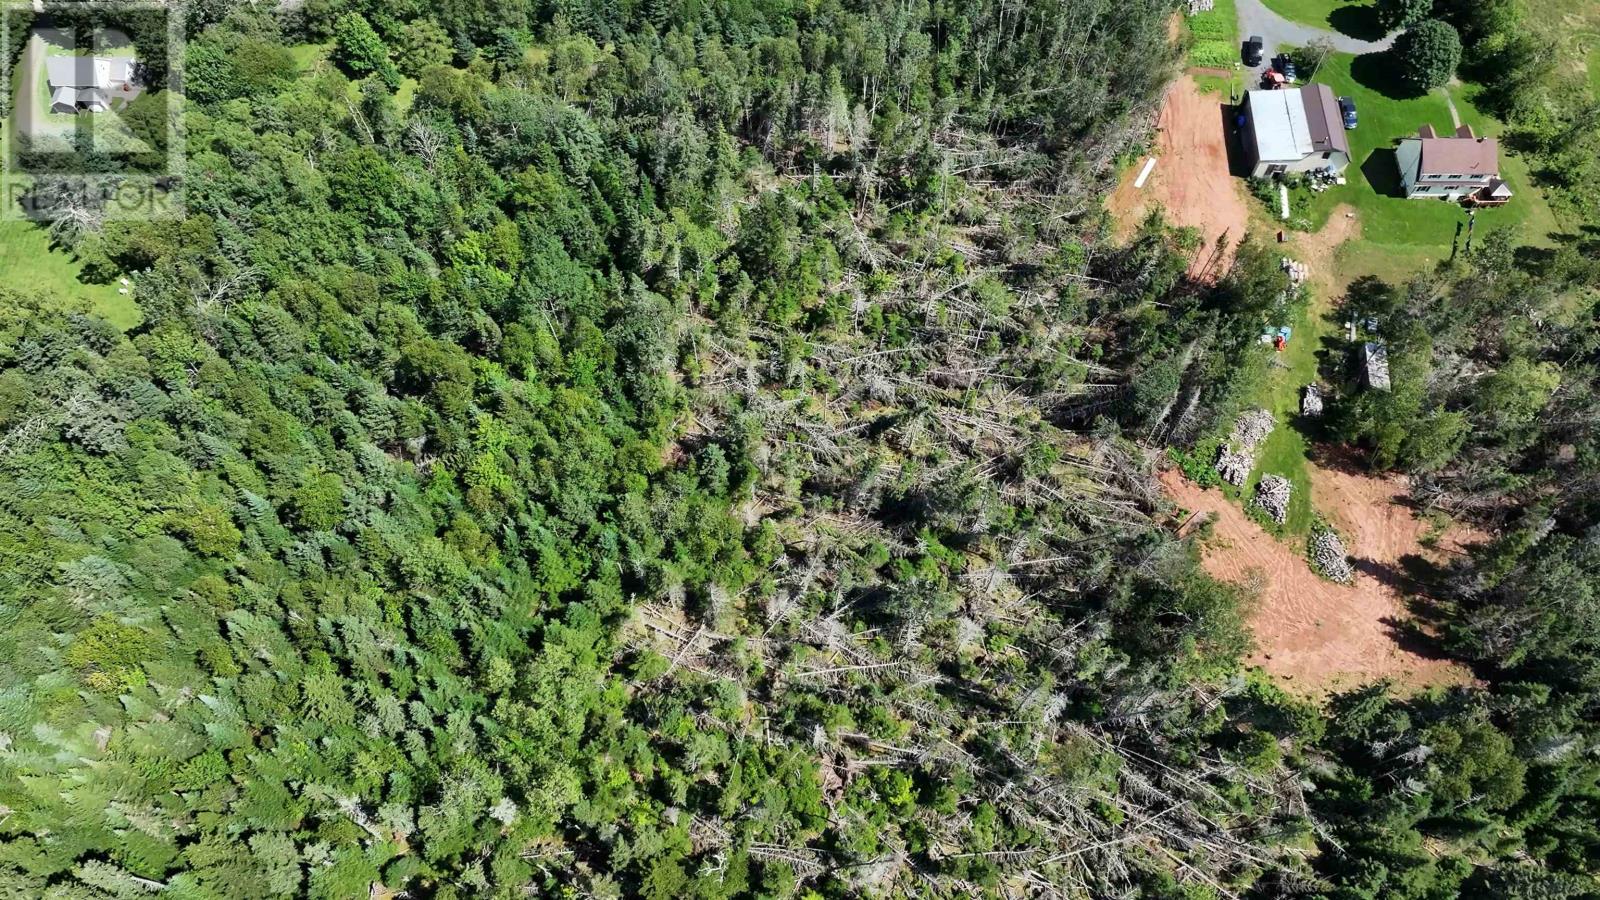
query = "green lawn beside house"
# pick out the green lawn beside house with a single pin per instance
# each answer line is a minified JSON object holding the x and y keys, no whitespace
{"x":29,"y":264}
{"x":1400,"y":236}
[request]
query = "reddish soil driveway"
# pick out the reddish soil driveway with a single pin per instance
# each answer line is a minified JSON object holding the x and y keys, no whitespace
{"x":1191,"y":179}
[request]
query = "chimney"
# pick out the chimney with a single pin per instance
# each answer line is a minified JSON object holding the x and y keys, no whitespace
{"x":1427,"y":131}
{"x":1464,"y":131}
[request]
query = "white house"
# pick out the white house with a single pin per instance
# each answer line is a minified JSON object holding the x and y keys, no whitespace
{"x":86,"y":82}
{"x":1293,"y":130}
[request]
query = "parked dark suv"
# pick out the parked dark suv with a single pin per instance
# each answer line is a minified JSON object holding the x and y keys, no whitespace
{"x":1253,"y":49}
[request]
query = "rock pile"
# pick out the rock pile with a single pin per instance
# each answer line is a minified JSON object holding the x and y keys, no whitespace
{"x":1234,"y":467}
{"x":1238,"y":457}
{"x":1272,"y":495}
{"x":1311,"y":401}
{"x":1328,"y":555}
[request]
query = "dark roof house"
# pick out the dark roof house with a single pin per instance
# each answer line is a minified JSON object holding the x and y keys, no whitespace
{"x":1461,"y":166}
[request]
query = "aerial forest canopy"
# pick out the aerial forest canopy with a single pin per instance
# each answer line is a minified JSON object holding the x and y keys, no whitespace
{"x":704,"y":449}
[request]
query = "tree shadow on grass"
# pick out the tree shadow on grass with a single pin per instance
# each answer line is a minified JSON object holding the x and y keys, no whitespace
{"x":1359,"y":22}
{"x":1381,"y":72}
{"x":1382,"y":171}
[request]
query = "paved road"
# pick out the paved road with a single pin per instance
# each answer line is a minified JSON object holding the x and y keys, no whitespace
{"x":1255,"y":18}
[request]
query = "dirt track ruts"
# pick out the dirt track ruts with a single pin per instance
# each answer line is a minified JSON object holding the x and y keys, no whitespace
{"x":1317,"y":635}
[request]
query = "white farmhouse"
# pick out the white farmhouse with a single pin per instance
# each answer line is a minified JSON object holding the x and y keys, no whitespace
{"x":86,"y":82}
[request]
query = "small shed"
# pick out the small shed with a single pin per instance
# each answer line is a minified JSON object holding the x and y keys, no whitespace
{"x":1375,"y":365}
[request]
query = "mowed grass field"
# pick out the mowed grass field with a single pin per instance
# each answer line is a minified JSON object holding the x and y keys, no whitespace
{"x":1574,"y":27}
{"x":1400,"y":236}
{"x":1358,"y":19}
{"x":30,"y":266}
{"x":1287,"y":448}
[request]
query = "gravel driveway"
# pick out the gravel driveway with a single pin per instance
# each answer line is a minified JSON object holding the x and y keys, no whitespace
{"x":25,"y":116}
{"x":1256,"y":19}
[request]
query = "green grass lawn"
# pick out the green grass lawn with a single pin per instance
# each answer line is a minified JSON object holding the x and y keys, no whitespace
{"x":28,"y":264}
{"x":1358,"y":20}
{"x":1286,"y":449}
{"x":1400,"y":236}
{"x":1231,"y":85}
{"x":308,"y":55}
{"x":1574,"y":27}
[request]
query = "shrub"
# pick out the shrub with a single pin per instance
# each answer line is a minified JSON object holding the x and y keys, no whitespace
{"x":1394,"y":14}
{"x":361,"y":51}
{"x":1426,"y":56}
{"x":1198,"y":464}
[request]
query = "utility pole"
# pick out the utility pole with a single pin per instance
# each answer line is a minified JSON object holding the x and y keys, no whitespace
{"x":1323,"y":48}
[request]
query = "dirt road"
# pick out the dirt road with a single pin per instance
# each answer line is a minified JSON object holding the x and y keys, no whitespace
{"x":1191,"y":180}
{"x":1317,"y":635}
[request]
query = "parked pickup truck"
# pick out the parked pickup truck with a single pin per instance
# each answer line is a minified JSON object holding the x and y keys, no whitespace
{"x":1253,"y":48}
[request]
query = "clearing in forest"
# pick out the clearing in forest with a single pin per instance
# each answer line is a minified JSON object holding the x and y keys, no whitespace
{"x":1317,"y":635}
{"x":1191,"y":180}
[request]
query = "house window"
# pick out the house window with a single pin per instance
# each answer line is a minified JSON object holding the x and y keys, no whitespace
{"x":1453,"y":177}
{"x":1423,"y":189}
{"x":1327,"y":154}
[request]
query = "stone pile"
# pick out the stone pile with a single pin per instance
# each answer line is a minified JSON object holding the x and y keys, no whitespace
{"x":1238,"y":457}
{"x":1329,"y":557}
{"x":1272,"y":495}
{"x":1234,"y":467}
{"x":1311,"y":401}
